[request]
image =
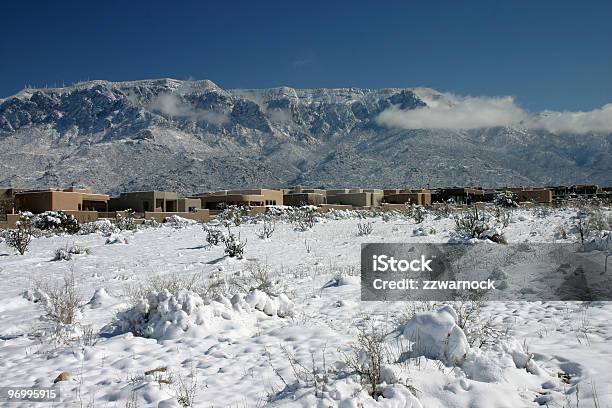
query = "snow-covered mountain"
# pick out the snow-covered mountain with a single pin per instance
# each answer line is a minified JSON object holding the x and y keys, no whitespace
{"x":191,"y":136}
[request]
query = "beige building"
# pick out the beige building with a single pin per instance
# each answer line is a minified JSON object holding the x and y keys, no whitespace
{"x":407,"y":196}
{"x":534,"y":194}
{"x":357,"y":197}
{"x":298,"y":196}
{"x":70,"y":199}
{"x":153,"y":201}
{"x":254,"y":198}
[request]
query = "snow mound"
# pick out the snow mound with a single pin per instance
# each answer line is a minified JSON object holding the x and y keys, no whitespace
{"x":436,"y":335}
{"x":116,"y":239}
{"x":178,"y":222}
{"x":272,"y":306}
{"x":100,"y":298}
{"x":163,"y":315}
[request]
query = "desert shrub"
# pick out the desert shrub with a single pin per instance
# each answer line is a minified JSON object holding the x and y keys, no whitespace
{"x":506,"y":199}
{"x":152,"y":223}
{"x":172,"y":283}
{"x":233,"y":214}
{"x":416,"y":212}
{"x":65,"y":254}
{"x":104,"y":227}
{"x":20,"y":237}
{"x":214,"y":236}
{"x":61,"y":302}
{"x":269,"y":225}
{"x":479,"y":329}
{"x":503,"y":215}
{"x":234,"y":247}
{"x":472,"y":223}
{"x":257,"y":276}
{"x":369,"y":355}
{"x":127,"y":222}
{"x":304,"y":218}
{"x":365,"y":228}
{"x":584,"y":224}
{"x":57,"y":222}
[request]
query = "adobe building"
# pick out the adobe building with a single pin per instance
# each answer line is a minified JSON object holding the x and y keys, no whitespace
{"x":7,"y":199}
{"x":70,"y":199}
{"x":298,"y":196}
{"x":153,"y":201}
{"x":253,"y":198}
{"x":534,"y":194}
{"x":356,"y":197}
{"x":458,"y":195}
{"x":407,"y":196}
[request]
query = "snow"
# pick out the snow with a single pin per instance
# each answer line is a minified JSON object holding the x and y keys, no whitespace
{"x":242,"y":346}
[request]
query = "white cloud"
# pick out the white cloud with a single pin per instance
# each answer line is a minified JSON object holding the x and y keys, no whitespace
{"x":447,"y":111}
{"x":171,"y":105}
{"x":597,"y":120}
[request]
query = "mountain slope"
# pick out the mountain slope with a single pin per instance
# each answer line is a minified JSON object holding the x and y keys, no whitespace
{"x":191,"y":136}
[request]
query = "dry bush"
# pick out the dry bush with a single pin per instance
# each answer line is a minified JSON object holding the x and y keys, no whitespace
{"x":370,"y":354}
{"x":304,"y":218}
{"x":62,"y":302}
{"x":269,"y":225}
{"x":365,"y":228}
{"x":65,"y":254}
{"x":472,"y":223}
{"x":20,"y":237}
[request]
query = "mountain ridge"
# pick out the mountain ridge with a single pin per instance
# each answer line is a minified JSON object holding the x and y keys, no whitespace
{"x":192,"y":136}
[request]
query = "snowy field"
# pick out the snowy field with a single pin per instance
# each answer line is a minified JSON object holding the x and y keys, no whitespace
{"x":304,"y":339}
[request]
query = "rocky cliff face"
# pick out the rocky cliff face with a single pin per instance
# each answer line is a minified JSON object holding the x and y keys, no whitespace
{"x":194,"y":136}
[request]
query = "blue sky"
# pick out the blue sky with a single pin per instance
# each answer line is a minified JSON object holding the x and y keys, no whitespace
{"x":548,"y":55}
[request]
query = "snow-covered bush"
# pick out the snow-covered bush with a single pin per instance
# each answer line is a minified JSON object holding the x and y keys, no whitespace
{"x":477,"y":223}
{"x":269,"y":225}
{"x":436,"y":335}
{"x":234,"y":247}
{"x":257,"y":277}
{"x":20,"y":237}
{"x":126,"y":222}
{"x":158,"y":312}
{"x":233,"y":214}
{"x":506,"y":199}
{"x":416,"y":212}
{"x":65,"y":254}
{"x":151,"y":223}
{"x":104,"y":227}
{"x":304,"y":218}
{"x":116,"y":239}
{"x":279,"y":305}
{"x":214,"y":236}
{"x":57,"y":222}
{"x":365,"y":228}
{"x":175,"y":221}
{"x":165,"y":314}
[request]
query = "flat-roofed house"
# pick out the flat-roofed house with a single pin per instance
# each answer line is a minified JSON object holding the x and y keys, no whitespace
{"x":459,"y":195}
{"x":411,"y":196}
{"x":70,"y":199}
{"x":146,"y":201}
{"x":298,"y":196}
{"x":532,"y":194}
{"x":357,"y":197}
{"x":252,"y":197}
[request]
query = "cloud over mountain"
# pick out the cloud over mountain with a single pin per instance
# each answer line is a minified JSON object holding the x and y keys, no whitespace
{"x":449,"y":111}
